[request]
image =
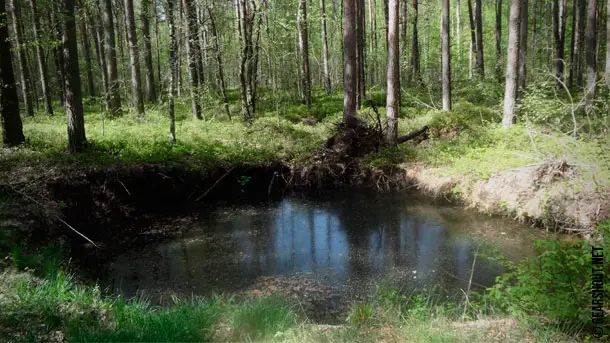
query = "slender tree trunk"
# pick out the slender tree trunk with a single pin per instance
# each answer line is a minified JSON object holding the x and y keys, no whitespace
{"x":523,"y":44}
{"x":473,"y":38}
{"x":246,"y":15}
{"x":42,"y":66}
{"x":458,"y":34}
{"x":20,"y":50}
{"x":360,"y":58}
{"x":173,"y":64}
{"x":12,"y":129}
{"x":58,"y":56}
{"x":134,"y":58}
{"x":149,"y":74}
{"x":114,"y":96}
{"x":372,"y":59}
{"x":607,"y":74}
{"x":559,"y":19}
{"x":101,"y":52}
{"x":194,"y":55}
{"x":415,"y":74}
{"x":591,"y":53}
{"x":350,"y":67}
{"x":304,"y":51}
{"x":83,"y":28}
{"x":393,"y":82}
{"x":580,"y":42}
{"x":478,"y":16}
{"x":499,"y":39}
{"x":446,"y":56}
{"x":532,"y":49}
{"x":325,"y":58}
{"x":512,"y":64}
{"x":218,"y":54}
{"x":77,"y":140}
{"x":573,"y":43}
{"x":157,"y":44}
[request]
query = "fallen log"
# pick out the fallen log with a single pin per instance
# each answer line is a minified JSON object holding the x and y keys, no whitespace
{"x":413,"y":134}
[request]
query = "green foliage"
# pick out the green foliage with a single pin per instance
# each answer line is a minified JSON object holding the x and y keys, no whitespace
{"x":554,"y":285}
{"x":361,"y":314}
{"x":262,"y":318}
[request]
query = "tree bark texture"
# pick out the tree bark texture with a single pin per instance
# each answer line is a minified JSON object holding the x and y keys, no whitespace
{"x":512,"y":64}
{"x":194,"y":55}
{"x":304,"y":51}
{"x":114,"y":96}
{"x":149,"y":74}
{"x":350,"y":68}
{"x":134,"y":58}
{"x":22,"y":63}
{"x":40,"y":59}
{"x":446,"y":57}
{"x":393,"y":78}
{"x":478,"y":16}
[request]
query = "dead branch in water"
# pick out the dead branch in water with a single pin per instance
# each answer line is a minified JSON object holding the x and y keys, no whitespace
{"x":214,"y":185}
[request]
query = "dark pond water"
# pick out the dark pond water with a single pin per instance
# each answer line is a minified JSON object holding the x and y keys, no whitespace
{"x":328,"y":251}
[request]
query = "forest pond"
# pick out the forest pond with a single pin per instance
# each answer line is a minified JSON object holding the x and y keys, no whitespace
{"x":328,"y":251}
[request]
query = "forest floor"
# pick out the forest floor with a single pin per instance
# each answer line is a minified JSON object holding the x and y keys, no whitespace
{"x":532,"y":171}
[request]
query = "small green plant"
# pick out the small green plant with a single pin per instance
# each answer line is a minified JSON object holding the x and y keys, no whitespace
{"x":243,"y":181}
{"x":361,"y":314}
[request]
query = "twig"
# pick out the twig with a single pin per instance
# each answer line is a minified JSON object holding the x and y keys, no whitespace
{"x":459,"y":278}
{"x":126,"y":190}
{"x":56,"y":217}
{"x":271,"y":184}
{"x":474,"y":261}
{"x":214,"y":185}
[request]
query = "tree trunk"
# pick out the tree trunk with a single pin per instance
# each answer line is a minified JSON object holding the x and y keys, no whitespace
{"x":446,"y":56}
{"x":393,"y":96}
{"x":532,"y":49}
{"x":415,"y":74}
{"x":157,"y":44}
{"x":193,"y":53}
{"x":478,"y":17}
{"x":607,"y":74}
{"x":149,"y":74}
{"x":458,"y":34}
{"x":360,"y":58}
{"x":83,"y":28}
{"x":350,"y":68}
{"x":173,"y":63}
{"x":512,"y":64}
{"x":559,"y":19}
{"x":473,"y":38}
{"x":499,"y":39}
{"x":42,"y":66}
{"x":12,"y":129}
{"x":114,"y":96}
{"x":372,"y":59}
{"x":245,"y":18}
{"x":218,"y":54}
{"x":134,"y":58}
{"x":523,"y":44}
{"x":580,"y":42}
{"x":22,"y":63}
{"x":573,"y":44}
{"x":77,"y":140}
{"x":58,"y":56}
{"x":591,"y":53}
{"x":101,"y":56}
{"x":325,"y":58}
{"x":304,"y":52}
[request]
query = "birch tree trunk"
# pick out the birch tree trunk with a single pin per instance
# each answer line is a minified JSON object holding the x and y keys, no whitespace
{"x":304,"y":52}
{"x":350,"y":68}
{"x":325,"y":58}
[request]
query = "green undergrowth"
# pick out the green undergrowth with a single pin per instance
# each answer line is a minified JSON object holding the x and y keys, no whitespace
{"x":540,"y":299}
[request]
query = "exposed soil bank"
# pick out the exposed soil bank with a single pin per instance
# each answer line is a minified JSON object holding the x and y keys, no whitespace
{"x":114,"y":203}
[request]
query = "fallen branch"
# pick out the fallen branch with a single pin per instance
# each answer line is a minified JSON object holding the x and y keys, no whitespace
{"x":413,"y":134}
{"x":215,"y":184}
{"x":56,"y":217}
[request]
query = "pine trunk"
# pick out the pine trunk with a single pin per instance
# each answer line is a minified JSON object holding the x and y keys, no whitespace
{"x":193,"y":52}
{"x":499,"y":39}
{"x":22,"y":63}
{"x":591,"y":53}
{"x":350,"y":67}
{"x":77,"y":140}
{"x":478,"y":16}
{"x":415,"y":74}
{"x":149,"y":74}
{"x":304,"y":52}
{"x":134,"y":58}
{"x":473,"y":38}
{"x":83,"y":28}
{"x":325,"y":58}
{"x":12,"y":129}
{"x":218,"y":54}
{"x":446,"y":56}
{"x":40,"y":59}
{"x":173,"y":64}
{"x":114,"y":96}
{"x":393,"y":78}
{"x":512,"y":64}
{"x":523,"y":44}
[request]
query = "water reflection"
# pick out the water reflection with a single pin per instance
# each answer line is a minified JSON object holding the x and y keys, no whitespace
{"x":352,"y":240}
